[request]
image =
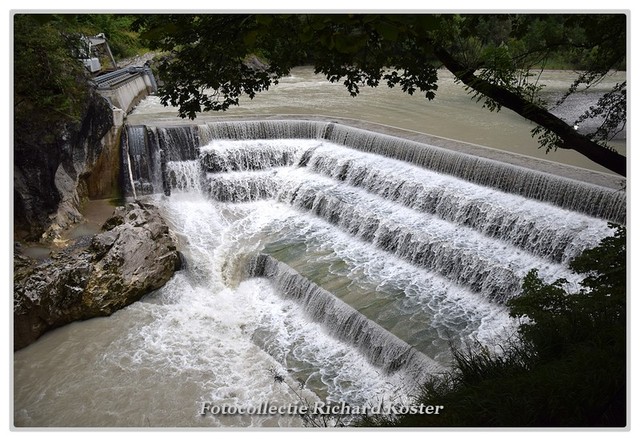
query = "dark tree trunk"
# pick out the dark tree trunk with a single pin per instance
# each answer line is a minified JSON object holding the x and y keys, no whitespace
{"x":539,"y":115}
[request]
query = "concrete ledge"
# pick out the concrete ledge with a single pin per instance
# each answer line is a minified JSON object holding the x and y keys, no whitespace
{"x":581,"y":174}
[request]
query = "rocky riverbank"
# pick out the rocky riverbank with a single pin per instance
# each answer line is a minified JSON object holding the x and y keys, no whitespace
{"x":134,"y":255}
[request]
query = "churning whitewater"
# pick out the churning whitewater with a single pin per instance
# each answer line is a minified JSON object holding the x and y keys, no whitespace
{"x":333,"y":261}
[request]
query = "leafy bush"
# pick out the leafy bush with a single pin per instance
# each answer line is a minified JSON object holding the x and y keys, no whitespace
{"x":567,"y":368}
{"x":50,"y":86}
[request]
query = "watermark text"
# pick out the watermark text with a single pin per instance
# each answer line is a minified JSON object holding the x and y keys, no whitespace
{"x":318,"y":408}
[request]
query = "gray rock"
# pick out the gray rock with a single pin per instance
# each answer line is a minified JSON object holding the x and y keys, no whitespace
{"x":136,"y":255}
{"x":48,"y":170}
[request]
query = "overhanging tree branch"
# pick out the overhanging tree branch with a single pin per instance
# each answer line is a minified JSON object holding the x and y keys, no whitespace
{"x":570,"y":139}
{"x":210,"y":51}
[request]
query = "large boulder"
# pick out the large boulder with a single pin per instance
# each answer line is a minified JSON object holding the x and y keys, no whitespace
{"x":134,"y":255}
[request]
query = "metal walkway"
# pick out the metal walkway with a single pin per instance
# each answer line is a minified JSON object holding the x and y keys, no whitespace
{"x":116,"y":78}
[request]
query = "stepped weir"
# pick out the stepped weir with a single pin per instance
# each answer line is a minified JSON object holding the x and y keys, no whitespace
{"x":573,"y":195}
{"x":463,"y":226}
{"x":342,"y":263}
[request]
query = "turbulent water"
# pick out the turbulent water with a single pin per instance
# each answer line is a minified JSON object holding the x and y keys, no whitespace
{"x":323,"y":264}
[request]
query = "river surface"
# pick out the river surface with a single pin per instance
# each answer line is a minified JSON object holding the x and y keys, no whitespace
{"x":452,"y":114}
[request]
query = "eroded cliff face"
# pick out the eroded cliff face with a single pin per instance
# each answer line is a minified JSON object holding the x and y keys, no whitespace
{"x":134,"y":255}
{"x":57,"y":168}
{"x":50,"y":170}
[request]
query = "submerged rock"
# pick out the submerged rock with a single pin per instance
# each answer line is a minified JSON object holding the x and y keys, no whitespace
{"x":134,"y":255}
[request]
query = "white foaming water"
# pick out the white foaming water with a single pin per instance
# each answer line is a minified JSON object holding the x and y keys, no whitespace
{"x":518,"y":220}
{"x":213,"y":335}
{"x":194,"y":340}
{"x":185,"y":176}
{"x":418,"y":305}
{"x":461,"y":253}
{"x":451,"y":115}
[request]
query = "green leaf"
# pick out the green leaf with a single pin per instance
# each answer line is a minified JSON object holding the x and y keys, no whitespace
{"x":349,"y":44}
{"x":387,"y":30}
{"x":250,"y":38}
{"x":264,"y":19}
{"x":159,"y":32}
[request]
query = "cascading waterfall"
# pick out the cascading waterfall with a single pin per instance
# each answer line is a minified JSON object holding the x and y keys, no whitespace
{"x":475,"y":236}
{"x":184,"y":175}
{"x":477,"y":224}
{"x":179,"y":143}
{"x":252,"y":130}
{"x":566,"y":193}
{"x":466,"y":257}
{"x":345,"y":261}
{"x":582,"y":197}
{"x":141,"y":162}
{"x":381,"y":348}
{"x":245,"y":156}
{"x":550,"y":233}
{"x":242,"y":186}
{"x":491,"y":266}
{"x":148,"y":151}
{"x":415,"y":304}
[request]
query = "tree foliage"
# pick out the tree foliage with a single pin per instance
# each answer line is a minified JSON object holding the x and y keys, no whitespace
{"x":497,"y":57}
{"x":123,"y":41}
{"x":207,"y":68}
{"x":594,"y":316}
{"x":50,"y":86}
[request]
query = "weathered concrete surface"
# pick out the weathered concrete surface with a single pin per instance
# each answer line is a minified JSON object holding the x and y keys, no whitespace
{"x":135,"y":255}
{"x":127,"y":95}
{"x":102,"y":180}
